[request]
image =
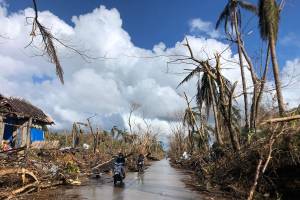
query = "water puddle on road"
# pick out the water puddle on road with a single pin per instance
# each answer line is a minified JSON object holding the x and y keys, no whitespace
{"x":160,"y":182}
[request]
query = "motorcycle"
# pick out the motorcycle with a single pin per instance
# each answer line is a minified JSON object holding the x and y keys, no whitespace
{"x":118,"y":173}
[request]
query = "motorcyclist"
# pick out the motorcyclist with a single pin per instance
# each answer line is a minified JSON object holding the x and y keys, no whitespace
{"x":140,"y":158}
{"x":121,"y":160}
{"x":140,"y":161}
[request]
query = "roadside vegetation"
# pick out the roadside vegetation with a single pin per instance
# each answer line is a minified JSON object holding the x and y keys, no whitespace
{"x":248,"y":151}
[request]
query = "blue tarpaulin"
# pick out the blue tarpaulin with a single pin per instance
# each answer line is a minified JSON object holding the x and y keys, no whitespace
{"x":36,"y":134}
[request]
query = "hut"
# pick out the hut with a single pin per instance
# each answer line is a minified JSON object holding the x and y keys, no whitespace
{"x":21,"y":123}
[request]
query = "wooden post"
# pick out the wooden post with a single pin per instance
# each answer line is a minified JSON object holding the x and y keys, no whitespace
{"x":74,"y":135}
{"x":24,"y":135}
{"x":28,"y":135}
{"x":94,"y":136}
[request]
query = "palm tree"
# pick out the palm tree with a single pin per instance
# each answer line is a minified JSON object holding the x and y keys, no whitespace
{"x":268,"y":14}
{"x":206,"y":95}
{"x":224,"y":92}
{"x":232,"y":14}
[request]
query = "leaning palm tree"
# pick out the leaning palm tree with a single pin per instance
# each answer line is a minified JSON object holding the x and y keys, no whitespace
{"x":268,"y":13}
{"x":231,"y":15}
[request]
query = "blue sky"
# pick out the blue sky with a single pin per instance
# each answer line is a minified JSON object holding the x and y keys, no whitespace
{"x":149,"y":22}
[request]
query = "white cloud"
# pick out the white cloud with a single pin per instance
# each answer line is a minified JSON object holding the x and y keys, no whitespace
{"x":290,"y":78}
{"x":290,"y":82}
{"x":291,"y":39}
{"x":102,"y":86}
{"x":197,"y":25}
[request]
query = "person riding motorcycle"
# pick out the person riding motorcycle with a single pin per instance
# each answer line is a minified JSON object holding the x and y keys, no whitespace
{"x":140,"y":162}
{"x":121,"y":160}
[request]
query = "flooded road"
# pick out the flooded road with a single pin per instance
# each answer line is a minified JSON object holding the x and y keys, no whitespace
{"x":160,"y":182}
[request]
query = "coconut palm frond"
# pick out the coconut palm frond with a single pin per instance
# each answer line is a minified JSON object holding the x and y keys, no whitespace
{"x":50,"y":50}
{"x":232,"y":7}
{"x":48,"y":42}
{"x":268,"y":15}
{"x":199,"y":96}
{"x":190,"y":75}
{"x":263,"y":25}
{"x":248,"y":6}
{"x":203,"y":94}
{"x":223,"y":16}
{"x":227,"y":86}
{"x":226,"y":24}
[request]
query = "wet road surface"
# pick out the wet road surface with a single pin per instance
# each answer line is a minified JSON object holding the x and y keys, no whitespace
{"x":159,"y":182}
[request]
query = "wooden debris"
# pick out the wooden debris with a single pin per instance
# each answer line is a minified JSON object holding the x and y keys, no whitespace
{"x":281,"y":119}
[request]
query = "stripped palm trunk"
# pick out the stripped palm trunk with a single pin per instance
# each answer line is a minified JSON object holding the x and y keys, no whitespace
{"x":214,"y":105}
{"x":239,"y":44}
{"x":276,"y":73}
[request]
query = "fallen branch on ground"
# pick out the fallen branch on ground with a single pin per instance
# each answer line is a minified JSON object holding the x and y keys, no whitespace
{"x":22,"y":189}
{"x":281,"y":119}
{"x":18,"y":171}
{"x":102,"y":164}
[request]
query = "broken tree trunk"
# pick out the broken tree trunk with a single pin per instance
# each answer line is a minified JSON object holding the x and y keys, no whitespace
{"x":18,"y":171}
{"x":12,"y":194}
{"x":281,"y":119}
{"x":251,"y":193}
{"x":23,"y":172}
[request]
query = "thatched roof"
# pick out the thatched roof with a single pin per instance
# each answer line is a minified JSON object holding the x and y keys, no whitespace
{"x":23,"y":109}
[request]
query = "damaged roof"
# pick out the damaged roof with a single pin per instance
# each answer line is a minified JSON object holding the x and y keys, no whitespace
{"x":22,"y":108}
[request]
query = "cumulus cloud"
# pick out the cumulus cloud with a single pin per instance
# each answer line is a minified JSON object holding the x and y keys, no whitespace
{"x":105,"y":86}
{"x":197,"y":25}
{"x":290,"y":82}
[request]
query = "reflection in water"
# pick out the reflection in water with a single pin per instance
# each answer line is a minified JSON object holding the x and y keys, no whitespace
{"x":140,"y":178}
{"x":117,"y":192}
